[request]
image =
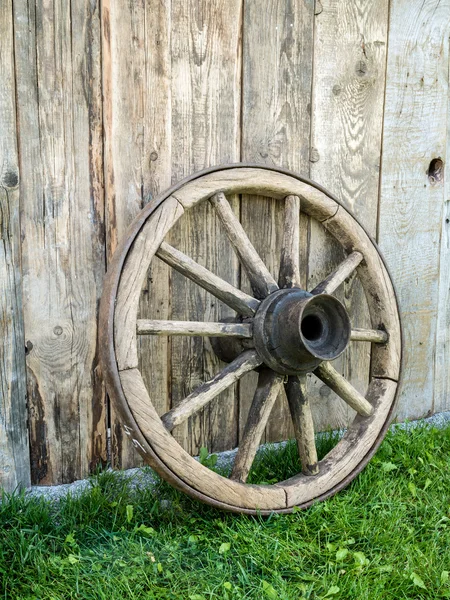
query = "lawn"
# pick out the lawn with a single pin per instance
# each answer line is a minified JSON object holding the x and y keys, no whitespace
{"x":386,"y":536}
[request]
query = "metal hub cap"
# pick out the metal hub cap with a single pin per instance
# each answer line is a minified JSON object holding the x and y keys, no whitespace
{"x":294,"y":330}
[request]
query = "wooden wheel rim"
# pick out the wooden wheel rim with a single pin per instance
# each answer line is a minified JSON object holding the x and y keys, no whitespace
{"x":124,"y":381}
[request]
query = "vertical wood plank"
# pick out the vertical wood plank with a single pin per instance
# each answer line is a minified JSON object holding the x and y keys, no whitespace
{"x":136,"y":82}
{"x":277,"y":72}
{"x":350,"y":39}
{"x":411,"y":204}
{"x":206,"y":70}
{"x":442,"y":376}
{"x":14,"y":450}
{"x":60,"y":147}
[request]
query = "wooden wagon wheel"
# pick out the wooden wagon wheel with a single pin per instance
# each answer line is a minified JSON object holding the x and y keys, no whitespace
{"x":282,"y":331}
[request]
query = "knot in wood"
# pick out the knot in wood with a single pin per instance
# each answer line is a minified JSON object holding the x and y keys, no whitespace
{"x":10,"y":179}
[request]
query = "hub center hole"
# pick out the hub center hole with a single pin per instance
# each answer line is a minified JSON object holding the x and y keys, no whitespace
{"x":312,"y":327}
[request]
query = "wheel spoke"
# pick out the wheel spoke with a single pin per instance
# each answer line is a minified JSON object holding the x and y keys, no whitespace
{"x":376,"y":336}
{"x":261,"y":280}
{"x":289,"y":275}
{"x":208,"y":391}
{"x":303,"y":423}
{"x":269,"y":385}
{"x":192,"y":328}
{"x":242,"y":303}
{"x":334,"y":280}
{"x":343,"y":389}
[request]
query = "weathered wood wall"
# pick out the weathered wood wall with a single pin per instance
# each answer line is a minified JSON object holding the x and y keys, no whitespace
{"x":104,"y":104}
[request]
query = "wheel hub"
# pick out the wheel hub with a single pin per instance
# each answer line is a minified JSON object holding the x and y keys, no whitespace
{"x":294,"y":331}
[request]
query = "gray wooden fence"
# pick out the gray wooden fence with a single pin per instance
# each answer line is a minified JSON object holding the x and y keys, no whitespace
{"x":104,"y":103}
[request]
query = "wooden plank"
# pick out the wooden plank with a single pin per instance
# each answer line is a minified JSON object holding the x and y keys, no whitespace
{"x":14,"y":450}
{"x":206,"y":69}
{"x":136,"y":88}
{"x":277,"y":71}
{"x":442,"y":377}
{"x":411,"y":204}
{"x":350,"y":39}
{"x":60,"y":148}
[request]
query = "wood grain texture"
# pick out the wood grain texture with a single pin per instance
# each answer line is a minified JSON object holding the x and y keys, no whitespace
{"x":299,"y":406}
{"x":340,"y":386}
{"x":339,"y":275}
{"x":210,"y":329}
{"x":379,"y":292}
{"x":137,"y":116}
{"x":261,"y":281}
{"x":209,"y":390}
{"x":135,"y":271}
{"x":289,"y":275}
{"x":267,"y":390}
{"x":242,"y":303}
{"x":14,"y":450}
{"x":350,"y":44}
{"x":205,"y":90}
{"x":59,"y":110}
{"x":369,"y":335}
{"x":260,"y":181}
{"x":277,"y":73}
{"x":411,"y":205}
{"x":442,"y":374}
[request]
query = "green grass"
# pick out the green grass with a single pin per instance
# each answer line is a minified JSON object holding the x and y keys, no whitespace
{"x":386,"y":537}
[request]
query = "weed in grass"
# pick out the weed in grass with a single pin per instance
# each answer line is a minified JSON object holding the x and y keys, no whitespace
{"x":387,"y":536}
